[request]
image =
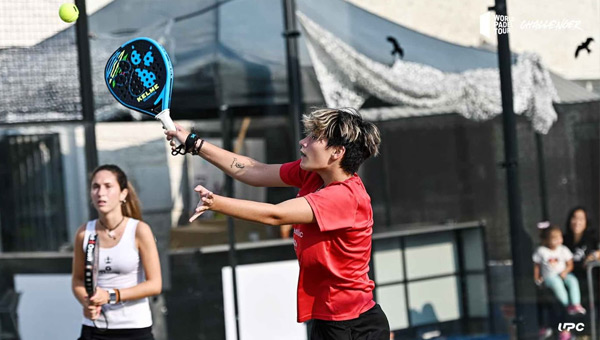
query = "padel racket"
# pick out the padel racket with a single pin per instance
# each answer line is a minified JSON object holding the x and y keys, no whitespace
{"x":139,"y":74}
{"x":91,"y":264}
{"x":90,"y":270}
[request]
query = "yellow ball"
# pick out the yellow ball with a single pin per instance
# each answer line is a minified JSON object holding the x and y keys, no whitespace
{"x":68,"y":12}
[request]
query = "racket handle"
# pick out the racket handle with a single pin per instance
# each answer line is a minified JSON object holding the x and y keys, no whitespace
{"x":167,"y":122}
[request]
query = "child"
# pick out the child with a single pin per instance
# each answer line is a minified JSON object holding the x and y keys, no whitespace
{"x":556,"y":263}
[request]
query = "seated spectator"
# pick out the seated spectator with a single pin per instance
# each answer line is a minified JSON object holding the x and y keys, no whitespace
{"x":553,"y":263}
{"x":582,"y":241}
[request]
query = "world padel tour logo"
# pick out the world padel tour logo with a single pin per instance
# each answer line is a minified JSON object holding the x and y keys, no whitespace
{"x":494,"y":24}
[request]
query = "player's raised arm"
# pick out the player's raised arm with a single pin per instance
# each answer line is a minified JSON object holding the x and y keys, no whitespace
{"x":242,"y":168}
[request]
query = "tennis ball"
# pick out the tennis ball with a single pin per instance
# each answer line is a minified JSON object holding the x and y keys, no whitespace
{"x":68,"y":12}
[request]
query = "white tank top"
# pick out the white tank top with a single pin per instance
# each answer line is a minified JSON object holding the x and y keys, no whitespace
{"x":120,"y":267}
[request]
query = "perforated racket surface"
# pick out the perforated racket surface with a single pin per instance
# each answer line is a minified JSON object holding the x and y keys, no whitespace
{"x":139,"y":74}
{"x":91,"y":264}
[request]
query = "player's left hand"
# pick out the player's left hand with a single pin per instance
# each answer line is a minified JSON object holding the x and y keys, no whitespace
{"x":205,"y":203}
{"x":92,"y":312}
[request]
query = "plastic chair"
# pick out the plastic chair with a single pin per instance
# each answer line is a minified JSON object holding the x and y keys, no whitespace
{"x":8,"y":306}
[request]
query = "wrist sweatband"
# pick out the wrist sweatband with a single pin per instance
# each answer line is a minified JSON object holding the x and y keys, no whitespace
{"x":190,"y":142}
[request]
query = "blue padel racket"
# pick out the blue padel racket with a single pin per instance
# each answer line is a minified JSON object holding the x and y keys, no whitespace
{"x":139,"y":74}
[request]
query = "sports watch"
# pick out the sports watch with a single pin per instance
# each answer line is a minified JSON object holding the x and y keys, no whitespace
{"x":112,"y":296}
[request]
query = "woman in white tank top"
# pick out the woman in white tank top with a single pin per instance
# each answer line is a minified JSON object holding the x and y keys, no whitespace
{"x":129,"y":267}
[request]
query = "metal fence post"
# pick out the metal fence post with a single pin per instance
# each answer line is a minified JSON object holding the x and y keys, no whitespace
{"x":590,"y":281}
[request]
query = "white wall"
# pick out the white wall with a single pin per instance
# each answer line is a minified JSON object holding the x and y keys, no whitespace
{"x":266,"y":301}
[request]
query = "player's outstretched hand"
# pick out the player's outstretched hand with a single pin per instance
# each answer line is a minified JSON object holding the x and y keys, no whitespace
{"x":205,"y":203}
{"x":181,"y":134}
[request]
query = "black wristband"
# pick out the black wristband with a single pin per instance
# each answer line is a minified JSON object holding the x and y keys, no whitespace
{"x":190,"y":142}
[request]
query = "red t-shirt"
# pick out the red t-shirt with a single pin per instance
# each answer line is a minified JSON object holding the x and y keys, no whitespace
{"x":333,"y":253}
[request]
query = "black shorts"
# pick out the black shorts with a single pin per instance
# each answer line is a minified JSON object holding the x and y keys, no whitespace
{"x":92,"y":333}
{"x":370,"y":325}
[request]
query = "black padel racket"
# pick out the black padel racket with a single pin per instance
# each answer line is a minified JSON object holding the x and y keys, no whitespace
{"x":139,"y":74}
{"x":90,"y":270}
{"x":91,"y":264}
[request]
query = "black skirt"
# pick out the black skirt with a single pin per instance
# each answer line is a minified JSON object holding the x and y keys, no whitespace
{"x":92,"y":333}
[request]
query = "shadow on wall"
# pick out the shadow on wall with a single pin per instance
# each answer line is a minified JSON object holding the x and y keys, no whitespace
{"x":426,"y":316}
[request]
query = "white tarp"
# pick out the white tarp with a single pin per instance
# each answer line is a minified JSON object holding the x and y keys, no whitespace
{"x":348,"y":78}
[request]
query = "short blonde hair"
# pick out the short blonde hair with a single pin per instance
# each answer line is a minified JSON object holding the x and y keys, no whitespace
{"x":345,"y":127}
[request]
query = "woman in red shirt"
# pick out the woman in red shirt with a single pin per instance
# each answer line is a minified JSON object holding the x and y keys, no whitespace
{"x":332,"y":217}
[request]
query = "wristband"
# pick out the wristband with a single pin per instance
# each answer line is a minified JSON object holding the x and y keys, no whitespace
{"x":190,"y":142}
{"x":188,"y":146}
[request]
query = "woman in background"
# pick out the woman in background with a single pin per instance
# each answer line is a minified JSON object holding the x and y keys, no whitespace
{"x":129,"y":267}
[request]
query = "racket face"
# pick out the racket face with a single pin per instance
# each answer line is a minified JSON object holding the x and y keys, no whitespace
{"x":139,"y":74}
{"x":91,"y":264}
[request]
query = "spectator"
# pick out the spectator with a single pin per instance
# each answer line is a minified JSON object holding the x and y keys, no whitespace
{"x":553,"y":264}
{"x":582,"y":241}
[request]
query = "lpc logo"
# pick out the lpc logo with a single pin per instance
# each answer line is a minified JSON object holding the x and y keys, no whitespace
{"x":569,"y":326}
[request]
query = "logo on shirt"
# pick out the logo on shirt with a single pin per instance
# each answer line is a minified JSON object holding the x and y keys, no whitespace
{"x":298,"y":233}
{"x":108,"y":260}
{"x":579,"y":254}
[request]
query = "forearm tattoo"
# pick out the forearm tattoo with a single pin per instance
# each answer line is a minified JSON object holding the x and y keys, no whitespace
{"x":236,"y":164}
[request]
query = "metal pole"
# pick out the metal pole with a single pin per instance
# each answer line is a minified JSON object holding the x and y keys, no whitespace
{"x":226,"y":124}
{"x":86,"y":91}
{"x":291,"y":35}
{"x":592,"y":310}
{"x":521,"y":247}
{"x":539,"y":145}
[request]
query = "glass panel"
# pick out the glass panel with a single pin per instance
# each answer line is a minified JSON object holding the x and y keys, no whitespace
{"x":387,"y":260}
{"x":433,"y":301}
{"x":477,"y":295}
{"x":430,"y":255}
{"x":473,"y":249}
{"x":393,"y":302}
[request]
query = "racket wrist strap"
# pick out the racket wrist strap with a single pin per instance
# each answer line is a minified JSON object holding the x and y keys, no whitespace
{"x":188,"y":146}
{"x":196,"y":150}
